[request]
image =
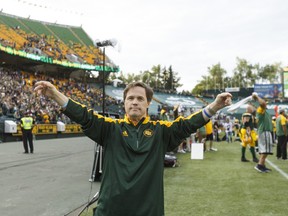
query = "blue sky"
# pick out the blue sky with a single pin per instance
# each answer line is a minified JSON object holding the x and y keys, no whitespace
{"x":187,"y":34}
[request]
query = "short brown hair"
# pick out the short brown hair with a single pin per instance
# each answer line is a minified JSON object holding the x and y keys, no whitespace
{"x":148,"y":90}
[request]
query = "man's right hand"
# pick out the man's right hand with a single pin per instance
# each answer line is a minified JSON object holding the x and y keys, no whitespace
{"x":49,"y":90}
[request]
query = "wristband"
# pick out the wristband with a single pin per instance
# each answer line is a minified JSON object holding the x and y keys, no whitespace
{"x":206,"y":113}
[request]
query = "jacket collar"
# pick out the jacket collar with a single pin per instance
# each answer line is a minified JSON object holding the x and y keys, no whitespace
{"x":144,"y":120}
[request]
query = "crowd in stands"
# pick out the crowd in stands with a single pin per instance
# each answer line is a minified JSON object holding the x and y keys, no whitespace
{"x":49,"y":46}
{"x":17,"y":97}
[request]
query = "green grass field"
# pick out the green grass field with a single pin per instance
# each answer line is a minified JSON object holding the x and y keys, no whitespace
{"x":222,"y":185}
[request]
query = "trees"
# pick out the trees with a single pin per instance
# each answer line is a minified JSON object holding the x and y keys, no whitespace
{"x":215,"y":80}
{"x":158,"y":78}
{"x":244,"y":75}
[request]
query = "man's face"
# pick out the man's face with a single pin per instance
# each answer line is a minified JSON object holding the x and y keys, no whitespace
{"x":136,"y":103}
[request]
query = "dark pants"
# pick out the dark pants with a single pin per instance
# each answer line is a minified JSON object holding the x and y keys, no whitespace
{"x":28,"y":136}
{"x":282,"y":147}
{"x":216,"y":135}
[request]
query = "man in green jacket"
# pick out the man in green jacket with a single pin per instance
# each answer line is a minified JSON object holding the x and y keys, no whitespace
{"x":132,"y":178}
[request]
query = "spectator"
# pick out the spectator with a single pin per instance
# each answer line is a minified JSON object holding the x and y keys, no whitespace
{"x":281,"y":132}
{"x":216,"y":128}
{"x":265,"y":142}
{"x":228,"y":129}
{"x":209,"y":135}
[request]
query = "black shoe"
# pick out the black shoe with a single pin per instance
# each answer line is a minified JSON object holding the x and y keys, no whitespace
{"x":260,"y":168}
{"x":243,"y":159}
{"x":25,"y":152}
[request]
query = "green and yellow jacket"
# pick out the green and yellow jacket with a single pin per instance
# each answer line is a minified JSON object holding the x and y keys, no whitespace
{"x":132,"y":178}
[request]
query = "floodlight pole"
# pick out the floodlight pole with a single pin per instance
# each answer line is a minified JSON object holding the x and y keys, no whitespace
{"x":103,"y":83}
{"x":104,"y":44}
{"x":99,"y":151}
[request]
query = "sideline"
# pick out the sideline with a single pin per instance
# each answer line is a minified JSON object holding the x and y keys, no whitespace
{"x":277,"y":169}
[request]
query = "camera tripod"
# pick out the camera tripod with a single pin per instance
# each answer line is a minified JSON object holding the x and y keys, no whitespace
{"x":97,"y":164}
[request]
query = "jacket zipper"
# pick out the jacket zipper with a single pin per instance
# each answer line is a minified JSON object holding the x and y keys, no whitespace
{"x":137,"y":132}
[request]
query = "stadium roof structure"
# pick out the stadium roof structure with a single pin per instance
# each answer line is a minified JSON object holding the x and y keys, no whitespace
{"x":58,"y":47}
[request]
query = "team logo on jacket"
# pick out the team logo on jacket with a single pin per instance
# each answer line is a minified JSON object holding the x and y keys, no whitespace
{"x":124,"y":133}
{"x":148,"y":132}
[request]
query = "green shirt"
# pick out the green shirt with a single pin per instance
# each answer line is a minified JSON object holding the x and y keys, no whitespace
{"x":132,"y":178}
{"x":280,"y":121}
{"x":264,"y":120}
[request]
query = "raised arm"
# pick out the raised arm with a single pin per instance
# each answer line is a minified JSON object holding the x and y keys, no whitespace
{"x":261,"y":102}
{"x":49,"y":90}
{"x":222,"y":100}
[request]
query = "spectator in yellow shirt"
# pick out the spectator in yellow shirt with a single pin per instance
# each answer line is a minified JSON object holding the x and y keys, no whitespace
{"x":209,"y":135}
{"x":274,"y":137}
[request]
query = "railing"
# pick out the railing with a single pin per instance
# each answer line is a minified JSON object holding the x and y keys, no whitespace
{"x":46,"y":129}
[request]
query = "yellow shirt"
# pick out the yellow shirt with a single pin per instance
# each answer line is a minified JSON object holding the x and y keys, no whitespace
{"x":209,"y":127}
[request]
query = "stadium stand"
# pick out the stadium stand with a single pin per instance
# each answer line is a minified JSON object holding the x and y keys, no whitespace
{"x":32,"y":50}
{"x":59,"y":42}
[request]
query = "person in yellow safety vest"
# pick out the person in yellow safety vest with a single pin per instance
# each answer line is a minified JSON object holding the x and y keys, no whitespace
{"x":27,"y":124}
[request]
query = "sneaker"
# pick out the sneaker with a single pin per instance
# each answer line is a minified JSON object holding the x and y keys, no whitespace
{"x":255,"y":160}
{"x":260,"y":168}
{"x":181,"y":151}
{"x":213,"y":149}
{"x":243,"y":159}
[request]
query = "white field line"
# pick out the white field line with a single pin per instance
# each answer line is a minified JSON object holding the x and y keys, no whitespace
{"x":277,"y":169}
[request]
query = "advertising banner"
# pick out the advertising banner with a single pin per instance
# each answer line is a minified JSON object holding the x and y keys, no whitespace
{"x":269,"y":90}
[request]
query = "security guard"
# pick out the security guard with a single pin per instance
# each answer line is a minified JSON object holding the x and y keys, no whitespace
{"x":27,"y":123}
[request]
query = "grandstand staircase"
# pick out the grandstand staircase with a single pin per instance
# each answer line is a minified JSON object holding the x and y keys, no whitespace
{"x":77,"y":37}
{"x":55,"y":35}
{"x":81,"y":41}
{"x":23,"y":24}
